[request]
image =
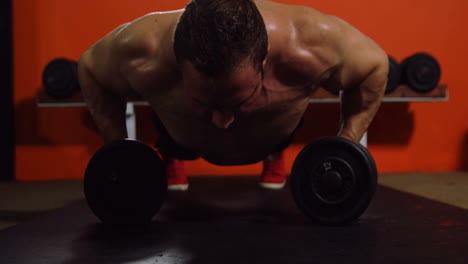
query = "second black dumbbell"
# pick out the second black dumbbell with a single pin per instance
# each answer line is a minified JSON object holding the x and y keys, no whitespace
{"x":125,"y":183}
{"x":333,"y":180}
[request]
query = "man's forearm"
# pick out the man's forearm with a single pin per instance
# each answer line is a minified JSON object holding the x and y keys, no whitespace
{"x":359,"y":106}
{"x":107,"y":109}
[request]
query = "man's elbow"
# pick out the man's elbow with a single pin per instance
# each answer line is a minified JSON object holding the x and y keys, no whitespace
{"x":84,"y":60}
{"x":379,"y":75}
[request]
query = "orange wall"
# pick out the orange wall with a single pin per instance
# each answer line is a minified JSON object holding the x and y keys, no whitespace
{"x":57,"y":143}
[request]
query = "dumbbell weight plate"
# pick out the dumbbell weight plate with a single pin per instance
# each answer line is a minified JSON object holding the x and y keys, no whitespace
{"x":125,"y":183}
{"x":421,"y":72}
{"x":333,"y":180}
{"x":60,"y":78}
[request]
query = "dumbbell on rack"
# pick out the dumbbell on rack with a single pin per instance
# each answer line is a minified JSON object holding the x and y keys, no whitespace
{"x":394,"y":75}
{"x":421,"y":72}
{"x":60,"y":78}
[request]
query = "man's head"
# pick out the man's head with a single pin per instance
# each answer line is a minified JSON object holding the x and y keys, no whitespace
{"x":216,"y":36}
{"x":221,"y":46}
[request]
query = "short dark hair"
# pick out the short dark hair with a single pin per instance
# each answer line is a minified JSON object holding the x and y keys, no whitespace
{"x":217,"y":35}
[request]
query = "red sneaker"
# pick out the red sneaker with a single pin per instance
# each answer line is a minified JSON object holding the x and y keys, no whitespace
{"x":176,"y":178}
{"x":273,"y":175}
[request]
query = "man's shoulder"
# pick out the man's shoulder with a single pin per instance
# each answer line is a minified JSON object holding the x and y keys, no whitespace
{"x":129,"y":51}
{"x":144,"y":36}
{"x":289,"y":12}
{"x":298,"y":25}
{"x":302,"y":40}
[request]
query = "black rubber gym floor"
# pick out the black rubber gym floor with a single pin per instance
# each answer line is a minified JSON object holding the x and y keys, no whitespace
{"x":229,"y":220}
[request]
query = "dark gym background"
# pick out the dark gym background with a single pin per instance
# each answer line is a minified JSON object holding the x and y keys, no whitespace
{"x":7,"y":138}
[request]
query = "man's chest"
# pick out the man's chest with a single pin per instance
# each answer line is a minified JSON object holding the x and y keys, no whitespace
{"x":249,"y":139}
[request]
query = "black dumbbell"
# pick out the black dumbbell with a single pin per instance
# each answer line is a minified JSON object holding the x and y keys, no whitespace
{"x":333,"y":180}
{"x":60,"y":78}
{"x":394,"y":75}
{"x":125,"y":183}
{"x":421,"y":72}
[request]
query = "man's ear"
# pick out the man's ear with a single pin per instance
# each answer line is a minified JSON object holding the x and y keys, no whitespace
{"x":264,"y":61}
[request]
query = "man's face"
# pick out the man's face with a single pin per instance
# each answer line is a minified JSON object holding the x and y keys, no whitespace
{"x":226,"y":98}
